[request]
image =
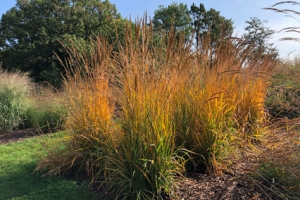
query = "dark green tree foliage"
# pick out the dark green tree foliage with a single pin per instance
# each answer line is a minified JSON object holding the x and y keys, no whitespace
{"x":31,"y":33}
{"x":218,"y":26}
{"x":198,"y":21}
{"x":209,"y":22}
{"x":174,"y":16}
{"x":258,"y":35}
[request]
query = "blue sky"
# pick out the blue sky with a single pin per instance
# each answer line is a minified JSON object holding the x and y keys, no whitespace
{"x":237,"y":10}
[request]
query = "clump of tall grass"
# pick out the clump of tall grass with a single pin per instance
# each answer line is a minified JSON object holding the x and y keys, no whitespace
{"x":13,"y":90}
{"x":219,"y":101}
{"x":140,"y":116}
{"x":146,"y":162}
{"x":89,"y":126}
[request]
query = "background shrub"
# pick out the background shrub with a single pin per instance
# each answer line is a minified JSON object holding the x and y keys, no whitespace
{"x":27,"y":105}
{"x":45,"y":110}
{"x":283,"y":97}
{"x":46,"y":119}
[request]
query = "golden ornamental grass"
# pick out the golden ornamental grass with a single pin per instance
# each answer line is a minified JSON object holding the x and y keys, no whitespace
{"x":178,"y":108}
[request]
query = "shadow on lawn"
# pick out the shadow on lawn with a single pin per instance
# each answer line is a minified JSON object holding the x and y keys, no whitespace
{"x":18,"y":182}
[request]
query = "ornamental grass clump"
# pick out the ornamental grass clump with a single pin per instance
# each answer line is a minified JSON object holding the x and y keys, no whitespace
{"x":14,"y":88}
{"x":146,"y":162}
{"x":283,"y":97}
{"x":90,"y":134}
{"x":222,"y":100}
{"x":203,"y":116}
{"x":141,"y":115}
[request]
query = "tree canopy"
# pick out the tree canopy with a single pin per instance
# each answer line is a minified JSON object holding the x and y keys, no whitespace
{"x":176,"y":16}
{"x":31,"y":33}
{"x":258,"y":35}
{"x":209,"y":23}
{"x":198,"y":20}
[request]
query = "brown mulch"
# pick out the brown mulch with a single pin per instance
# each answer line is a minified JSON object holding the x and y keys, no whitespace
{"x":225,"y":187}
{"x":229,"y":186}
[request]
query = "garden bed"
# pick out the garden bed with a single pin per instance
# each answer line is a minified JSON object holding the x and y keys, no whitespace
{"x":235,"y":185}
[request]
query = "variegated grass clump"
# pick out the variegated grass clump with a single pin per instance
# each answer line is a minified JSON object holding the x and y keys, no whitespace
{"x":14,"y":88}
{"x":146,"y":164}
{"x":203,"y":118}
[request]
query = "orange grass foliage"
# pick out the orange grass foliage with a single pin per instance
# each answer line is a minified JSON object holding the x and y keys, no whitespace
{"x":171,"y":96}
{"x":90,"y":129}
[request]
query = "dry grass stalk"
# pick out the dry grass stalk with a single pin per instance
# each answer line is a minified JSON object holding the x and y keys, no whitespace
{"x":289,"y":13}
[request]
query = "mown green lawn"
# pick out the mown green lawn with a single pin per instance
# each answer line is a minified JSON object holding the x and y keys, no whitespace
{"x":17,"y":180}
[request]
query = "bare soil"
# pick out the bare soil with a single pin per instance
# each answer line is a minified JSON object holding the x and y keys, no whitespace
{"x":19,"y":135}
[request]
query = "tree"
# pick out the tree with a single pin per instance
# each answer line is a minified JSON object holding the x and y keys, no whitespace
{"x":198,"y":20}
{"x":31,"y":33}
{"x":174,"y":16}
{"x":209,"y":22}
{"x":258,"y":35}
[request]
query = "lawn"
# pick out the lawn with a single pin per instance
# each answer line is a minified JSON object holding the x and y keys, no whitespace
{"x":17,"y":180}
